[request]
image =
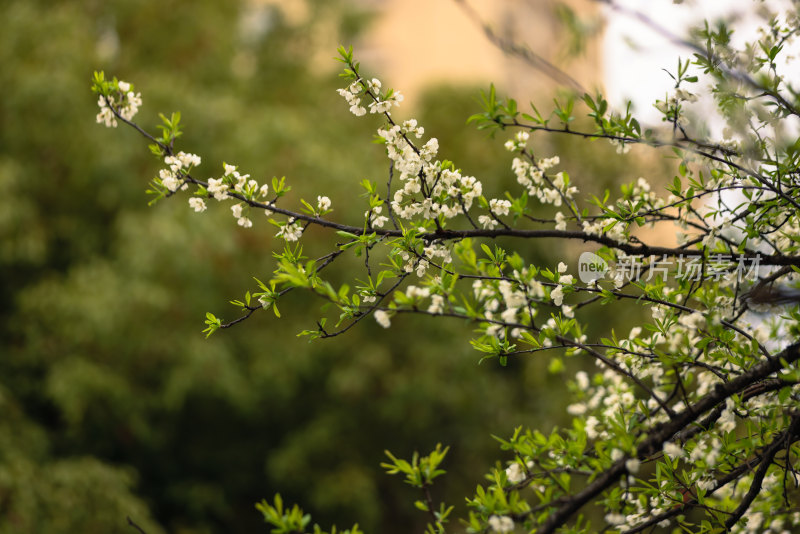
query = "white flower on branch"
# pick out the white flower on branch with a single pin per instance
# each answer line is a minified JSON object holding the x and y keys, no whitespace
{"x":561,"y":221}
{"x":514,"y":473}
{"x":437,"y":304}
{"x":673,"y":450}
{"x":499,"y":207}
{"x":218,"y":188}
{"x":487,"y":221}
{"x":557,"y":294}
{"x":290,"y":231}
{"x":696,"y":379}
{"x":323,"y":203}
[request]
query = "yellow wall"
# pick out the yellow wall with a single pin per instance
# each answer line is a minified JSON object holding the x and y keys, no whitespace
{"x":420,"y":42}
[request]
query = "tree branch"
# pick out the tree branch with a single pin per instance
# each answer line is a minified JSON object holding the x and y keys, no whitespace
{"x":134,"y":525}
{"x":663,"y":432}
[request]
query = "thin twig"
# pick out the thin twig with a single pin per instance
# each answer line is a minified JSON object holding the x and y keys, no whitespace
{"x":523,"y":52}
{"x":134,"y":525}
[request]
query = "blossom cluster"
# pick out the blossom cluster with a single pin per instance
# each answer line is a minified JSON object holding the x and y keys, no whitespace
{"x":379,"y":104}
{"x":428,"y":188}
{"x":533,"y":177}
{"x":501,"y":524}
{"x":374,"y":217}
{"x":497,"y":208}
{"x":290,"y":230}
{"x":178,"y":166}
{"x":233,"y":181}
{"x":514,"y":302}
{"x":125,"y":101}
{"x":241,"y":187}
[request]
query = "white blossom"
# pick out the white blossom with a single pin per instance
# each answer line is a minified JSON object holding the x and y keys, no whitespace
{"x":417,"y":292}
{"x":106,"y":116}
{"x":487,"y":221}
{"x":323,"y":203}
{"x":218,"y":188}
{"x":169,"y":179}
{"x":591,"y":427}
{"x":237,"y":210}
{"x":188,"y":160}
{"x":499,"y":207}
{"x":615,"y":519}
{"x":673,"y":450}
{"x":291,"y":231}
{"x":509,"y":315}
{"x":514,"y":473}
{"x":557,"y":295}
{"x":632,"y":465}
{"x":501,"y":524}
{"x":548,"y":163}
{"x":582,"y":379}
{"x":383,"y":318}
{"x":561,"y":221}
{"x":577,"y":408}
{"x":437,"y":304}
{"x":197,"y":204}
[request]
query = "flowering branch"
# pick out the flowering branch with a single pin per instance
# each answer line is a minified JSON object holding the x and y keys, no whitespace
{"x":700,"y":396}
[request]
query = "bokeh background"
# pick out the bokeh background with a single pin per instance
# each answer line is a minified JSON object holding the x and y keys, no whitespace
{"x":112,"y":403}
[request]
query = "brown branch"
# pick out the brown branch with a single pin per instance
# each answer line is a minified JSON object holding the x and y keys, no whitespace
{"x":786,"y":437}
{"x":664,"y":431}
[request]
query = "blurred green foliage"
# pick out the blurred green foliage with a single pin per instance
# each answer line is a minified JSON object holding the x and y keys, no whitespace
{"x":112,"y":403}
